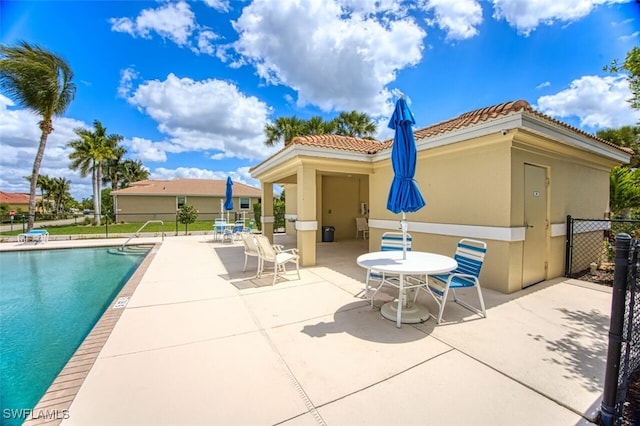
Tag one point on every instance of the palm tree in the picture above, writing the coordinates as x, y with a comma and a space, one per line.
625, 136
40, 81
318, 126
284, 129
355, 124
624, 190
60, 193
133, 171
89, 153
113, 167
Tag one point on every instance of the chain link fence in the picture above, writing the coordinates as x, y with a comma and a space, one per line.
623, 354
590, 247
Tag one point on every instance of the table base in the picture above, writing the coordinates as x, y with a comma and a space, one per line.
412, 313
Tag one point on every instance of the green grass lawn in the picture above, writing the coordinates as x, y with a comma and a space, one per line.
120, 228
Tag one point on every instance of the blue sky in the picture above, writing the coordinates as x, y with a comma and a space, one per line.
190, 85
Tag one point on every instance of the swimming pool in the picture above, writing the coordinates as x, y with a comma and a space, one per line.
49, 301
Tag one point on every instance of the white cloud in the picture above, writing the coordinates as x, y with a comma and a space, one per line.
333, 59
240, 175
598, 102
208, 115
171, 21
19, 143
220, 5
543, 85
127, 77
527, 15
459, 18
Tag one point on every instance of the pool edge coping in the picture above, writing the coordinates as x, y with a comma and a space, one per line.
53, 406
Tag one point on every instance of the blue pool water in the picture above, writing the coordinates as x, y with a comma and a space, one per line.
49, 301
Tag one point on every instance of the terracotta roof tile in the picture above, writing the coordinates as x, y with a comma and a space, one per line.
210, 187
14, 198
345, 143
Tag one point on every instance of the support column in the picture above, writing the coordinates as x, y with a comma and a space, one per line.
267, 218
307, 223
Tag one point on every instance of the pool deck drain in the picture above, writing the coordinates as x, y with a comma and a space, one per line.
54, 405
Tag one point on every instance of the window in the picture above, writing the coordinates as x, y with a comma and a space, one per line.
181, 202
244, 203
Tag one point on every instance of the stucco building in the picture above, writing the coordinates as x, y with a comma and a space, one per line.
161, 199
505, 174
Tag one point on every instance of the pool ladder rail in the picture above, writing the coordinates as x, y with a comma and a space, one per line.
137, 234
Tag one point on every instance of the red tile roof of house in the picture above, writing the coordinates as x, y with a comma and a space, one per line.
464, 120
14, 198
202, 187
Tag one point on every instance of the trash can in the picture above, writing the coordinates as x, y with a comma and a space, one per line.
327, 234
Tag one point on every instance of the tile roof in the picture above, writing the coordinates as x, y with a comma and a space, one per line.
14, 198
206, 187
464, 120
346, 143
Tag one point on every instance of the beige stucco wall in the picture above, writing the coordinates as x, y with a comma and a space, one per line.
480, 182
140, 208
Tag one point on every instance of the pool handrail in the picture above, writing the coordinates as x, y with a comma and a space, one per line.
140, 229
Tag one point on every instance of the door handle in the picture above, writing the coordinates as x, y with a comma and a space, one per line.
526, 225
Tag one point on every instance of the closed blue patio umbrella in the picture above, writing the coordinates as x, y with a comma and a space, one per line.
404, 195
228, 201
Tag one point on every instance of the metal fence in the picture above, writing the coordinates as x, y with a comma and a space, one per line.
623, 355
590, 247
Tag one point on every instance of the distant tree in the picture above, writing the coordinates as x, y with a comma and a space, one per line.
318, 126
284, 130
113, 167
90, 151
624, 189
631, 65
41, 82
355, 124
626, 136
133, 171
60, 193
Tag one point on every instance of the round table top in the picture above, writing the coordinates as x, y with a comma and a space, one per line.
416, 262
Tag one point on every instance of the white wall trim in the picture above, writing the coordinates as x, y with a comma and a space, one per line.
558, 229
497, 233
306, 225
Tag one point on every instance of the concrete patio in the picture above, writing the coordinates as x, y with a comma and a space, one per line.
201, 342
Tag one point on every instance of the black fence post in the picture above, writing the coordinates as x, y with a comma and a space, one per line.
568, 246
612, 371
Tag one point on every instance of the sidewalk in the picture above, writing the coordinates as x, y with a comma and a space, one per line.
201, 342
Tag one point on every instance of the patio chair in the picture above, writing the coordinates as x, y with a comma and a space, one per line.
250, 249
35, 235
249, 228
362, 226
238, 227
219, 228
279, 257
388, 241
470, 257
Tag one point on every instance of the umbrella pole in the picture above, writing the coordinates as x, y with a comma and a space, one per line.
221, 209
404, 226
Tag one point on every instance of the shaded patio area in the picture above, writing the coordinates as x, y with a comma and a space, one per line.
201, 342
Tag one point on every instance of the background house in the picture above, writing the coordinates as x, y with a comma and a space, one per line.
19, 202
505, 174
160, 199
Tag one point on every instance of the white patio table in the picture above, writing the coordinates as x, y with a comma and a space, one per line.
416, 263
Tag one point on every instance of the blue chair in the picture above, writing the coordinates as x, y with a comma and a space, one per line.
238, 227
470, 257
388, 241
219, 228
249, 228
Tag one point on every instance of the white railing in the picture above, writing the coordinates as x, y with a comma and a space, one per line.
141, 228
